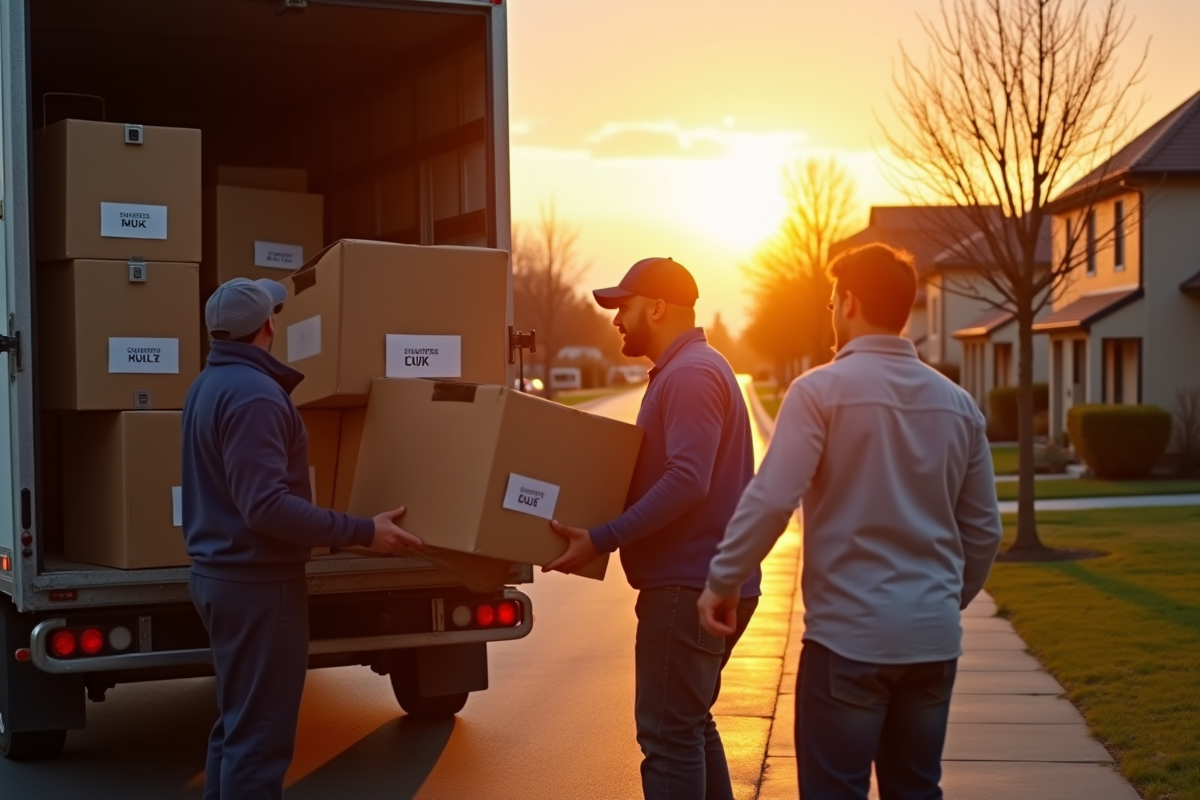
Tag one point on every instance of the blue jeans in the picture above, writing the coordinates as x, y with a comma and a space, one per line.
851, 713
259, 638
678, 673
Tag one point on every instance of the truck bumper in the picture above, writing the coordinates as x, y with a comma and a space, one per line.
44, 661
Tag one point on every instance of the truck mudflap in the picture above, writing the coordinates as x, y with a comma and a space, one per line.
40, 648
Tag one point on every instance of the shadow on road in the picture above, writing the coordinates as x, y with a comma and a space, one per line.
392, 762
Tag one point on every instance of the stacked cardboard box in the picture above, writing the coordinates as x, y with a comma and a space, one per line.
117, 240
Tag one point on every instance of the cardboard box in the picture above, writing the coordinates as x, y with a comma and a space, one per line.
362, 310
483, 469
353, 420
324, 428
122, 489
256, 233
99, 197
109, 344
278, 179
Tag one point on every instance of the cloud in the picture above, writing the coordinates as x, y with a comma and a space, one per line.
645, 140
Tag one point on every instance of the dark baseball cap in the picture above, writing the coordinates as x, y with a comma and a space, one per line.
656, 278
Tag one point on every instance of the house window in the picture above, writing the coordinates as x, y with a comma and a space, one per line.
1091, 243
1002, 360
1119, 236
935, 327
1069, 258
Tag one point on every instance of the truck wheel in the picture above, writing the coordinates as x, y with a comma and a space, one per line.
415, 705
32, 745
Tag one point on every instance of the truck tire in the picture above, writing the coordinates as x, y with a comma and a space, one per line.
415, 705
32, 745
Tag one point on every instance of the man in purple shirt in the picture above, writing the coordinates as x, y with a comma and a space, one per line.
695, 461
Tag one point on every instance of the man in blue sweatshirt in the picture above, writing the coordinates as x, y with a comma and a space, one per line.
696, 459
250, 527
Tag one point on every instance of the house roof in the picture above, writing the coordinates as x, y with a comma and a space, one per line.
921, 230
1191, 285
973, 250
1169, 146
1087, 310
985, 324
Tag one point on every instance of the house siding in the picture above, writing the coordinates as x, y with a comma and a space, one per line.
1107, 276
1172, 255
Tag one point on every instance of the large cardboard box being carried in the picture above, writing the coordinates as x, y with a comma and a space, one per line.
483, 469
257, 233
108, 343
362, 310
122, 479
107, 190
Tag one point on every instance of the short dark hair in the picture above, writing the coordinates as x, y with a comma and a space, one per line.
883, 279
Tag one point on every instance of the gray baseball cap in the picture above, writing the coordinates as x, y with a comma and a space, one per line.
241, 306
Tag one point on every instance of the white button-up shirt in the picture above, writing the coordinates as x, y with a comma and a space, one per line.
901, 522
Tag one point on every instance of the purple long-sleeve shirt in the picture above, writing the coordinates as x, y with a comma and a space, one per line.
695, 461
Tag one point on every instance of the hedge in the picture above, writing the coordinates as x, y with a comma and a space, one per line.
1119, 441
1002, 405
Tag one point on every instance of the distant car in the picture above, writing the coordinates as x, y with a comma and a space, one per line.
565, 378
626, 374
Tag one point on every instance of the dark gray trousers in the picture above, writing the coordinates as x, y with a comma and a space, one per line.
259, 638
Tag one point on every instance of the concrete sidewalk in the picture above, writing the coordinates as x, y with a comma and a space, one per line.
1012, 734
1090, 503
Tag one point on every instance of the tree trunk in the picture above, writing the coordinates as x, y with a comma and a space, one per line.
1027, 535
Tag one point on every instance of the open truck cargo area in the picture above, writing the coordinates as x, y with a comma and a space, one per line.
393, 115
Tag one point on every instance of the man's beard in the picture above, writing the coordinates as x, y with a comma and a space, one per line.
637, 338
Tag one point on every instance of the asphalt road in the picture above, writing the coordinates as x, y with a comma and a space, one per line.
555, 724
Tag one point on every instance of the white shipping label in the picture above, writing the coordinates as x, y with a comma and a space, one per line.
177, 506
143, 356
278, 256
530, 496
133, 221
304, 339
411, 356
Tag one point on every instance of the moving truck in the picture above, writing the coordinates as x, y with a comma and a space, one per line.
396, 111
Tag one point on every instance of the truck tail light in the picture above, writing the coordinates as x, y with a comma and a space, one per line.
63, 644
485, 616
23, 654
507, 613
91, 641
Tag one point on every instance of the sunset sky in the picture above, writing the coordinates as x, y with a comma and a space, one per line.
660, 127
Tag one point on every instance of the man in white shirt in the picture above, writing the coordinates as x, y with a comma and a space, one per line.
901, 525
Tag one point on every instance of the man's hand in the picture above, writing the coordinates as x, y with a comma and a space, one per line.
580, 550
718, 614
390, 537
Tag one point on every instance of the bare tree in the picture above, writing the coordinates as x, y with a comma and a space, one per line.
1018, 99
546, 273
789, 320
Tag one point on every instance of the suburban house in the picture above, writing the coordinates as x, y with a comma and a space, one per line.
982, 339
921, 230
1126, 327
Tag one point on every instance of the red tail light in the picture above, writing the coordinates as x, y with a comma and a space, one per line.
63, 644
507, 613
485, 616
91, 641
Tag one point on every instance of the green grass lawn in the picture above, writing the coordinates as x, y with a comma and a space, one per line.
1090, 487
574, 397
1005, 460
1122, 635
770, 403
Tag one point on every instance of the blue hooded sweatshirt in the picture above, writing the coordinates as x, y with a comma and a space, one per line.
247, 502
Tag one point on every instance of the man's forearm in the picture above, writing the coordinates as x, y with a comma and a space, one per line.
752, 532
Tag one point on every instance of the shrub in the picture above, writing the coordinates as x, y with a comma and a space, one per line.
1051, 459
1119, 441
1002, 407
